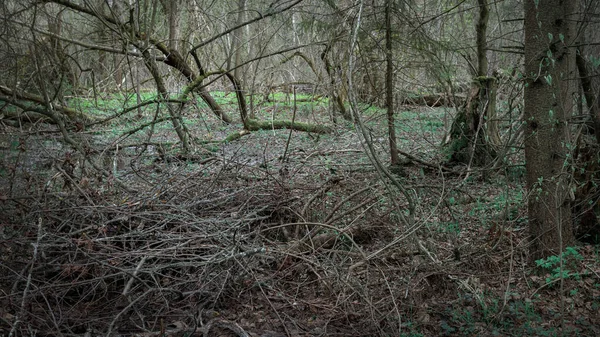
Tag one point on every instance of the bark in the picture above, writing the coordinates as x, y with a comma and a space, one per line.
436, 100
587, 157
239, 93
16, 97
474, 132
164, 94
175, 60
338, 91
238, 37
172, 57
389, 84
251, 124
482, 23
588, 91
308, 61
61, 73
255, 125
550, 29
261, 16
172, 10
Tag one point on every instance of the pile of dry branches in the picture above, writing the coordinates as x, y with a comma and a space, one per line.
187, 249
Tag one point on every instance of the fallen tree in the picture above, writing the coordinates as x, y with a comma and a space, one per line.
36, 104
434, 100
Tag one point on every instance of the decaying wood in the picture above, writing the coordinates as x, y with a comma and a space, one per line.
435, 100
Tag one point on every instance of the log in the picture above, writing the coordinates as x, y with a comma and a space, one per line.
435, 100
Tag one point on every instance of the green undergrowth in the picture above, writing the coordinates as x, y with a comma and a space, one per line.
535, 310
279, 106
521, 317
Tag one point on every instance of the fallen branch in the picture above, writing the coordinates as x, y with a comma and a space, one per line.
255, 125
424, 163
13, 96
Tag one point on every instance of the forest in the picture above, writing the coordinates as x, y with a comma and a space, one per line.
287, 168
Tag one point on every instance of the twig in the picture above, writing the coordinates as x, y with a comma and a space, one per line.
424, 163
222, 323
132, 303
130, 282
18, 317
287, 144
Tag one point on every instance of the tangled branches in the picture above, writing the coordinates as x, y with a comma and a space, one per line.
191, 243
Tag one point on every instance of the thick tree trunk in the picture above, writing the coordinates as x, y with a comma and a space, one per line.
239, 94
171, 7
238, 37
550, 29
16, 97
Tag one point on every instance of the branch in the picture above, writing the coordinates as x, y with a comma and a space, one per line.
133, 108
84, 44
258, 18
83, 9
25, 96
260, 57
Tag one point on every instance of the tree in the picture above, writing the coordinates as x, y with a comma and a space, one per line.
474, 131
550, 30
389, 84
586, 155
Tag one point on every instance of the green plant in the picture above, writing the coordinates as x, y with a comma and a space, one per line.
452, 227
553, 264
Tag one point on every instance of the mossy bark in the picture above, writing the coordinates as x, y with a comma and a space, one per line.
474, 132
254, 125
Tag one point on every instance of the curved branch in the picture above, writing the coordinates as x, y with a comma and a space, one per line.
13, 95
239, 93
172, 57
87, 45
258, 18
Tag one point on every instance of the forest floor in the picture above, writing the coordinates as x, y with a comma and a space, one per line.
276, 234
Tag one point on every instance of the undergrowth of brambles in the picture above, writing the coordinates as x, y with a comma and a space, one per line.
239, 239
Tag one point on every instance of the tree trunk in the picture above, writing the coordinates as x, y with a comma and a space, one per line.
175, 60
389, 84
239, 93
164, 94
588, 91
238, 37
338, 91
474, 132
173, 24
550, 29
